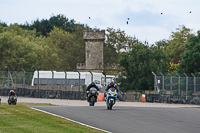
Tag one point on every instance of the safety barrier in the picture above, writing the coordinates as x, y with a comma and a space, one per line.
100, 97
143, 98
35, 93
180, 99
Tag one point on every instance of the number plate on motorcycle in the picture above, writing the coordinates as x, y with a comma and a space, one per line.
93, 91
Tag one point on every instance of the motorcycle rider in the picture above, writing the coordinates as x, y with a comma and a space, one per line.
88, 88
112, 84
12, 98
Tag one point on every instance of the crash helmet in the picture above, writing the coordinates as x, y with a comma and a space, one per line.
112, 83
12, 92
92, 83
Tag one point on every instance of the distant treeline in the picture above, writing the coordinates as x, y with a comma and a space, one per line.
57, 44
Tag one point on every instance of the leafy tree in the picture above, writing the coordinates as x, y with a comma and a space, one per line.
172, 68
17, 48
60, 21
190, 58
162, 43
137, 67
45, 26
119, 40
2, 25
116, 41
110, 54
177, 42
59, 50
62, 50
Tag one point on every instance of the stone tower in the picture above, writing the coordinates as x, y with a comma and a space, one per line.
94, 40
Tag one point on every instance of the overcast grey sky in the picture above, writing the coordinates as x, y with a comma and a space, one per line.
145, 19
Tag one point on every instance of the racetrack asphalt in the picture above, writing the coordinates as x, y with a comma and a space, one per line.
126, 119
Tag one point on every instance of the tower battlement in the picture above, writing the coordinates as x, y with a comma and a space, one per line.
94, 35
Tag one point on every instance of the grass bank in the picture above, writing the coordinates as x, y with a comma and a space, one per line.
21, 119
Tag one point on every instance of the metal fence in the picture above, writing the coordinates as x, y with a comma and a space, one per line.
23, 79
73, 95
25, 84
179, 85
182, 88
16, 79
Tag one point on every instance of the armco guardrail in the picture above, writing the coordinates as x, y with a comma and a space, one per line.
35, 93
180, 99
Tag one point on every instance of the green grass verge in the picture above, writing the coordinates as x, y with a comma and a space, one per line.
192, 107
21, 119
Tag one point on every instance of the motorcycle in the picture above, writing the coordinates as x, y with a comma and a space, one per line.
92, 96
111, 98
12, 100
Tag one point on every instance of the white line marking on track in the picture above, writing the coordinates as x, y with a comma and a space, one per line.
70, 120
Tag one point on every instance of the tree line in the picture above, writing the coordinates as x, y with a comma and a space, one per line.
57, 44
180, 54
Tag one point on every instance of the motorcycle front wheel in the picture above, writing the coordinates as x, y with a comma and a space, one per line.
92, 101
109, 107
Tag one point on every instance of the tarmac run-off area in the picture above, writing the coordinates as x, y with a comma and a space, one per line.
66, 102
